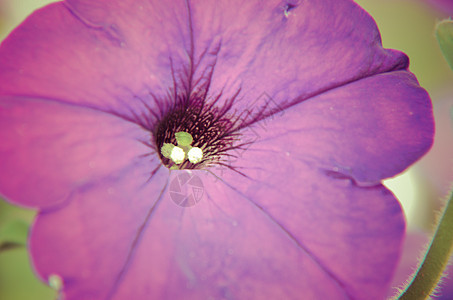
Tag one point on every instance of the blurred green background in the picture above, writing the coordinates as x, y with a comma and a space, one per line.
406, 25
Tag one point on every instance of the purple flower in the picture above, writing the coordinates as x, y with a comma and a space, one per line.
299, 111
445, 6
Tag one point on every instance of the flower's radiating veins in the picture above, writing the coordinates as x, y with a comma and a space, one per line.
194, 124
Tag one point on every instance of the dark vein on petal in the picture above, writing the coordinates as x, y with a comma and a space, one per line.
134, 245
292, 238
282, 107
191, 50
110, 31
114, 35
76, 105
81, 188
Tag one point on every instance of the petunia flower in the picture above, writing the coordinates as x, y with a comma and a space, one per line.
298, 111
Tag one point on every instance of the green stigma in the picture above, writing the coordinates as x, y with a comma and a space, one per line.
184, 150
183, 138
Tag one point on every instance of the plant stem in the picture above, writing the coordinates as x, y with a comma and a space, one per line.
436, 259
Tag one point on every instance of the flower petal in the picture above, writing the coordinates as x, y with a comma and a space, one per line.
282, 239
290, 50
118, 53
354, 234
50, 149
88, 241
368, 130
111, 65
444, 5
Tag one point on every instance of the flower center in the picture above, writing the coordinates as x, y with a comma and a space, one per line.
193, 135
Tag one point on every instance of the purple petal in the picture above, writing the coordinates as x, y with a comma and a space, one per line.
49, 149
118, 52
88, 240
436, 166
232, 244
368, 130
291, 50
443, 5
343, 235
106, 66
352, 233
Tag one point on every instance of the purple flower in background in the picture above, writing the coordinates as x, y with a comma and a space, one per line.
297, 108
444, 5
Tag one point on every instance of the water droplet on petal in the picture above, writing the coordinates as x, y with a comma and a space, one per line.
55, 282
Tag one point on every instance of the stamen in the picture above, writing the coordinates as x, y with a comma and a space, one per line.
177, 155
195, 155
166, 150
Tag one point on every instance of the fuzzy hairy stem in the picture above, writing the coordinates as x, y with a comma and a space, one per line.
430, 272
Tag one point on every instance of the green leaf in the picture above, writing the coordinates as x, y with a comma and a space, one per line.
444, 35
17, 279
13, 234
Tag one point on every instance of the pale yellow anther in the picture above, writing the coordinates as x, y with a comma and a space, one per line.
184, 150
177, 155
166, 150
195, 155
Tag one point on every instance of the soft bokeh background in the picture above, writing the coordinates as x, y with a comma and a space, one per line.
406, 25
